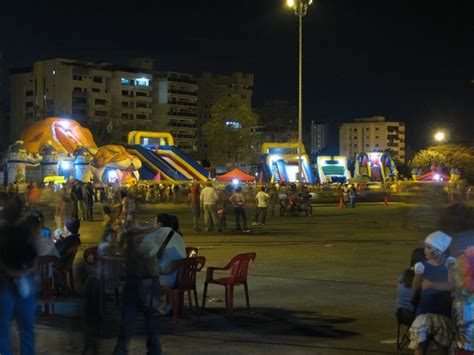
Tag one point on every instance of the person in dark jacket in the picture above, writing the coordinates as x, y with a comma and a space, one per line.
71, 239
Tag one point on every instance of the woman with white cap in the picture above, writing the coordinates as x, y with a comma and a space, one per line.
433, 284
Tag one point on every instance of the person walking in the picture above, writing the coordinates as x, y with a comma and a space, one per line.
261, 200
208, 199
237, 199
81, 200
196, 205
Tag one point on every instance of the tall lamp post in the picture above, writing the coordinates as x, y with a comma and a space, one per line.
300, 7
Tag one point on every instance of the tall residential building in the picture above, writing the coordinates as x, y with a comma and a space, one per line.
212, 88
90, 92
175, 108
319, 137
372, 134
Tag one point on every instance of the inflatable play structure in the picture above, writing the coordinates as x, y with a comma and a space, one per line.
436, 174
376, 166
161, 160
333, 169
280, 162
63, 148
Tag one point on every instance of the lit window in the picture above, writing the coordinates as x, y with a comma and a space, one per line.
233, 124
125, 81
142, 82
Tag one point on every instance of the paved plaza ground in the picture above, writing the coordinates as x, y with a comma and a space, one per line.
323, 284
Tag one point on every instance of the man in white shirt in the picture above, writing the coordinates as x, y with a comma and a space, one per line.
261, 199
209, 200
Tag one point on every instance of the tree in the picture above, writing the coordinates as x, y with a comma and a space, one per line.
449, 156
228, 132
279, 120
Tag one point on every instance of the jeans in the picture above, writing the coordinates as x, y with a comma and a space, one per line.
263, 211
90, 210
352, 201
23, 309
210, 215
240, 214
132, 301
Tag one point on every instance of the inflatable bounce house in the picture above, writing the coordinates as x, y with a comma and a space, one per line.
436, 174
333, 169
57, 147
375, 166
280, 163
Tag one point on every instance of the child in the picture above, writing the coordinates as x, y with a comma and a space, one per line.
222, 219
405, 310
432, 281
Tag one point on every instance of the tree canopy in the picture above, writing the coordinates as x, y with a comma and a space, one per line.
228, 132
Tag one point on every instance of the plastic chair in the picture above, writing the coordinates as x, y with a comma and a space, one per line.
238, 266
90, 256
191, 252
186, 282
47, 265
405, 318
67, 264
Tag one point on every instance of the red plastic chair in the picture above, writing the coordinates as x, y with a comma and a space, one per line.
90, 256
186, 282
238, 266
47, 265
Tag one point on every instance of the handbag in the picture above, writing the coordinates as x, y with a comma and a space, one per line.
149, 267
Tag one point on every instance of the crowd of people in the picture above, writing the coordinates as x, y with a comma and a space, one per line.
435, 298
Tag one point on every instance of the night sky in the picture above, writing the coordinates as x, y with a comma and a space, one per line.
407, 60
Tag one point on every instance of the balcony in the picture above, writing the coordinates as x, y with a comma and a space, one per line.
182, 80
180, 103
182, 92
392, 144
183, 125
182, 135
182, 114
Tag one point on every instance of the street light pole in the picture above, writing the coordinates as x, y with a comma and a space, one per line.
300, 7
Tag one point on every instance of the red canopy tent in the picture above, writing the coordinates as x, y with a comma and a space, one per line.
236, 174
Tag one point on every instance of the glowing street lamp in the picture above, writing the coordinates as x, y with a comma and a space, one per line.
300, 8
440, 136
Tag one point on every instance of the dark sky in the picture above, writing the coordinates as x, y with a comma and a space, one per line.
407, 60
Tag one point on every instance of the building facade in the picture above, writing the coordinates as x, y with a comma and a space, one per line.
96, 94
372, 134
319, 137
214, 87
175, 108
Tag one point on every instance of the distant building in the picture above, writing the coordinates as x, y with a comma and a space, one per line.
90, 92
319, 137
212, 88
175, 108
372, 134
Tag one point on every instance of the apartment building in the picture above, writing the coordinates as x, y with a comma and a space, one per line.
319, 137
175, 108
93, 93
372, 134
212, 88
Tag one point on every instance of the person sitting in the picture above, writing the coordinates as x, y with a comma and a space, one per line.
434, 284
71, 238
405, 308
44, 246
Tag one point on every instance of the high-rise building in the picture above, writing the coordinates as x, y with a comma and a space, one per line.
372, 134
175, 107
90, 92
319, 137
212, 88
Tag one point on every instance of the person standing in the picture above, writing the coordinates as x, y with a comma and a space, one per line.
261, 199
74, 202
208, 199
237, 199
18, 259
352, 196
89, 191
196, 205
80, 200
